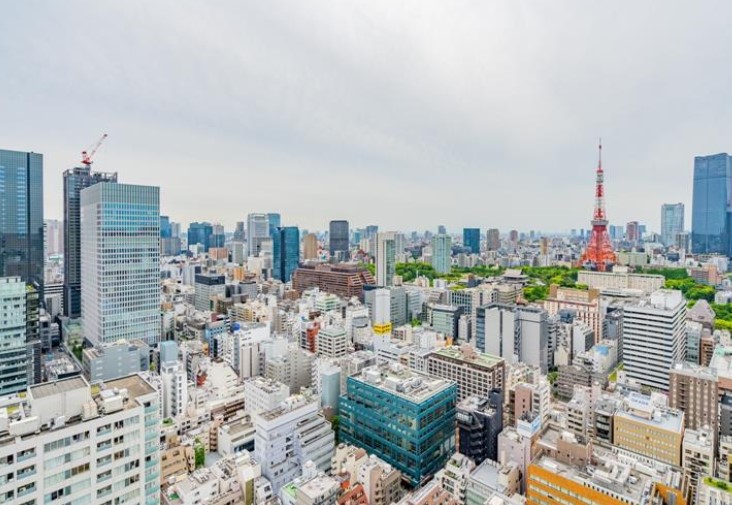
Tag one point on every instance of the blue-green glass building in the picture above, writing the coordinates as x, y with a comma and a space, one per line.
711, 226
404, 417
471, 239
285, 252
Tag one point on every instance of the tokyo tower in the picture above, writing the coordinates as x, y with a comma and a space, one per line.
599, 254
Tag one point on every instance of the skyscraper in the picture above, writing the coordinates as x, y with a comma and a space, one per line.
441, 253
672, 222
285, 252
471, 239
274, 221
338, 237
310, 246
21, 217
493, 239
200, 233
385, 258
257, 231
710, 214
120, 268
75, 180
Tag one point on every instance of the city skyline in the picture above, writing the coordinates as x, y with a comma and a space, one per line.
415, 105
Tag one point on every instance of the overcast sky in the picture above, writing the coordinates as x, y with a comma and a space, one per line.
404, 114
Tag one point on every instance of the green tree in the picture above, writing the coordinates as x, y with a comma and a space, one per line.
199, 453
335, 423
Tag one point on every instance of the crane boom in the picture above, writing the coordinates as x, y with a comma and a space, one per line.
88, 155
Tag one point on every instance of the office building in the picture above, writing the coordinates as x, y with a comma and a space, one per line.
710, 216
444, 319
713, 491
698, 457
200, 234
508, 331
113, 360
632, 231
442, 253
471, 239
120, 267
174, 380
613, 281
262, 394
309, 247
66, 442
338, 238
694, 390
584, 303
654, 337
332, 342
14, 364
476, 373
493, 239
257, 232
285, 252
479, 422
385, 258
21, 217
672, 222
653, 431
208, 286
290, 435
274, 221
345, 280
386, 392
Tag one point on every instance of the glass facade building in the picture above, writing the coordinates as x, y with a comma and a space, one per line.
120, 274
710, 214
338, 237
285, 252
442, 253
471, 239
21, 216
200, 233
75, 180
404, 417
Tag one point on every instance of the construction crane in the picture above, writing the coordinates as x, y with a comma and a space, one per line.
88, 155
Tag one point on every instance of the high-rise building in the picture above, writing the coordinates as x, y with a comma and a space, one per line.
200, 233
21, 217
632, 232
309, 247
479, 422
710, 214
274, 221
694, 390
442, 253
338, 238
493, 239
174, 379
257, 232
285, 252
385, 393
13, 355
385, 258
471, 239
66, 442
120, 268
654, 337
75, 180
475, 373
207, 286
441, 230
239, 232
672, 222
54, 237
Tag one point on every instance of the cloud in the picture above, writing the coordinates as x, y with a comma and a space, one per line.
407, 114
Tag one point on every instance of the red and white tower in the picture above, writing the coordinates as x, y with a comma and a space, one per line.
599, 254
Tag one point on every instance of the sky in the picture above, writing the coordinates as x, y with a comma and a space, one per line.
403, 114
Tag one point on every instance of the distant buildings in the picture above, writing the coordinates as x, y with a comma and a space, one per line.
385, 258
257, 232
672, 222
120, 244
442, 253
493, 239
345, 280
710, 217
309, 247
285, 252
471, 239
338, 239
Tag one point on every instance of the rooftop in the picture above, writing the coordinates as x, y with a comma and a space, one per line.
468, 354
404, 382
640, 408
53, 388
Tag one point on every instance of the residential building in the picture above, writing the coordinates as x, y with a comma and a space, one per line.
698, 457
75, 180
710, 215
290, 435
471, 239
385, 258
442, 253
713, 492
120, 267
454, 477
70, 442
174, 380
262, 394
479, 422
694, 390
654, 331
672, 222
475, 373
332, 342
391, 391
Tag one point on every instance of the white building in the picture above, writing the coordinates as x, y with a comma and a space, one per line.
174, 380
120, 262
332, 342
654, 337
262, 394
67, 442
385, 258
13, 357
290, 435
